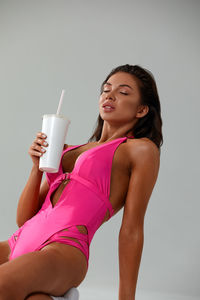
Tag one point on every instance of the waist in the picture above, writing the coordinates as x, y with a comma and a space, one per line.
87, 183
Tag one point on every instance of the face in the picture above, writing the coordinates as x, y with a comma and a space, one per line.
122, 92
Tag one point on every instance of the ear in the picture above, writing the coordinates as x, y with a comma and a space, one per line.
142, 111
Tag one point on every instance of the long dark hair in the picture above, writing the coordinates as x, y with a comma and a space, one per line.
150, 125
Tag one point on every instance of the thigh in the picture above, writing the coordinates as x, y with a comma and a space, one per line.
52, 270
4, 252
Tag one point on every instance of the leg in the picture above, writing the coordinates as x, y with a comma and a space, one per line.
4, 252
53, 270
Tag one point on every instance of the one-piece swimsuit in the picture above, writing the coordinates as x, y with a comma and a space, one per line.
84, 201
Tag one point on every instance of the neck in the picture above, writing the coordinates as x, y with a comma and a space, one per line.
109, 136
101, 141
112, 131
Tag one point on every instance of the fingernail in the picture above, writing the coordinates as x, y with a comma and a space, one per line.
43, 135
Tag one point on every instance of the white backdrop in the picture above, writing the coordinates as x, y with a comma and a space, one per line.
50, 45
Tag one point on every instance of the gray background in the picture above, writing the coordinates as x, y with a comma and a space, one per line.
46, 46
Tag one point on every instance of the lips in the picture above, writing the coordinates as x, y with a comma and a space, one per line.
108, 104
108, 109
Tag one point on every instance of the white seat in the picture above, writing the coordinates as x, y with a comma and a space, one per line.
71, 294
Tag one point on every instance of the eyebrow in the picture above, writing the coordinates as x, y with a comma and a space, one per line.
119, 85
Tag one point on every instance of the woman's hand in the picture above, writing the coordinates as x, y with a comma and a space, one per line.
36, 150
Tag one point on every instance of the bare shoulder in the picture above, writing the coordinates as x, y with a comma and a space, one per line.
144, 158
143, 150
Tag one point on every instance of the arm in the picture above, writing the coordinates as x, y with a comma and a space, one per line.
32, 197
144, 171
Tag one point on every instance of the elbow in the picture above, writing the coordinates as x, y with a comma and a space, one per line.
131, 234
131, 242
18, 218
19, 222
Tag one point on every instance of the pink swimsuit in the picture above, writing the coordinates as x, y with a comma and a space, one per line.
84, 201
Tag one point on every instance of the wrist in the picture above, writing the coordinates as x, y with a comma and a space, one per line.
36, 170
125, 294
126, 298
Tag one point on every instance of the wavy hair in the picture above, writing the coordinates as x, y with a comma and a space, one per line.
150, 125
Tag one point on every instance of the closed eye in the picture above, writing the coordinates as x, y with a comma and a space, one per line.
120, 92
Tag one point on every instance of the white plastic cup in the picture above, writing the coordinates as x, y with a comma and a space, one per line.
55, 127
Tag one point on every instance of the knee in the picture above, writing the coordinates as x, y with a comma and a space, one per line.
6, 293
5, 252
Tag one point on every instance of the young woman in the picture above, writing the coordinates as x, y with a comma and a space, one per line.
49, 253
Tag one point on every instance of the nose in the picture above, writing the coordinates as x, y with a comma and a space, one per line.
109, 95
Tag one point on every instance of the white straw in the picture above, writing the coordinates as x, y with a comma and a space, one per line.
60, 102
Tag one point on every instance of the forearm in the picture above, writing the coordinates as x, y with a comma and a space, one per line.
130, 252
29, 199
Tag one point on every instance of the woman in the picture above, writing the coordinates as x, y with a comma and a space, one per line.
49, 253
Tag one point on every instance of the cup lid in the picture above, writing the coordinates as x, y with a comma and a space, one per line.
56, 116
